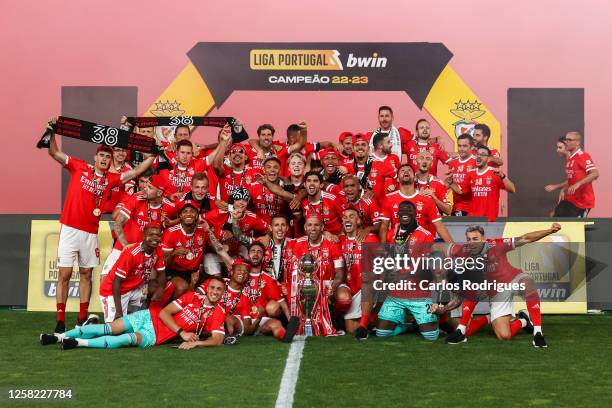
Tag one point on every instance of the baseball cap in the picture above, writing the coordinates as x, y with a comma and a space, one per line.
344, 135
188, 203
104, 148
157, 181
327, 151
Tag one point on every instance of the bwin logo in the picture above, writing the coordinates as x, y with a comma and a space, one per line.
366, 62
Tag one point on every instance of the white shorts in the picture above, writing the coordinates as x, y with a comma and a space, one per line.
502, 304
110, 261
130, 302
76, 244
354, 311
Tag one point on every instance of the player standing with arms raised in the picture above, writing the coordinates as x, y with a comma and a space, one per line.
85, 198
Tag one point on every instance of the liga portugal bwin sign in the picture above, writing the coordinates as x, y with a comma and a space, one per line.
421, 70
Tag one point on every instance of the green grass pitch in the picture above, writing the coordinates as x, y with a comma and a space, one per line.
575, 371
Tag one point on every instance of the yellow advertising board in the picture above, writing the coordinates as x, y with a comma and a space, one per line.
42, 281
557, 264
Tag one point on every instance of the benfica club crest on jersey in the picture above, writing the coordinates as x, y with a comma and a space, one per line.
488, 180
467, 112
419, 206
200, 241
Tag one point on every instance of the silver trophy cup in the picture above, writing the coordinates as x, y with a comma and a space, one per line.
308, 290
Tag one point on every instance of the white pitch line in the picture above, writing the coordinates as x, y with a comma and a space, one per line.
291, 373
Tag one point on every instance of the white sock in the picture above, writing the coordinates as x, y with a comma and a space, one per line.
461, 328
523, 322
60, 337
82, 342
537, 329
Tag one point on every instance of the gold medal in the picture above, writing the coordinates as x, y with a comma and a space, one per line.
97, 212
189, 256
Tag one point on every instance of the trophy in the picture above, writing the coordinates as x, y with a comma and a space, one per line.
308, 289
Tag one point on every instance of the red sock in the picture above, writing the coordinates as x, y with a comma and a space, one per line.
280, 333
476, 324
61, 312
443, 318
363, 322
466, 311
533, 307
83, 311
342, 306
515, 326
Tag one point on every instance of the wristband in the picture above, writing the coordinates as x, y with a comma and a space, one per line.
179, 331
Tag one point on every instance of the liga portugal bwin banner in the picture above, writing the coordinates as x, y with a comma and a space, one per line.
421, 70
43, 272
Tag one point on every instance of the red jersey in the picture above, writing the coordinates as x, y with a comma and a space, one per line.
485, 189
209, 212
460, 169
178, 180
577, 166
380, 175
436, 185
346, 161
262, 288
497, 265
391, 160
251, 225
175, 237
134, 266
235, 302
118, 193
439, 155
232, 179
351, 252
327, 208
327, 256
80, 198
211, 318
369, 210
419, 245
427, 212
266, 203
139, 213
279, 150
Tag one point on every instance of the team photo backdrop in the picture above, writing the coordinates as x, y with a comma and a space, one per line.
134, 50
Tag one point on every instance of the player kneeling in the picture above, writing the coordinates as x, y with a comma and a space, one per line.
415, 241
190, 317
243, 316
133, 279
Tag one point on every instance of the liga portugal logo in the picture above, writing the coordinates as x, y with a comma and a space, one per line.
467, 112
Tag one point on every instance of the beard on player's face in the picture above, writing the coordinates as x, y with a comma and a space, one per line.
255, 258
